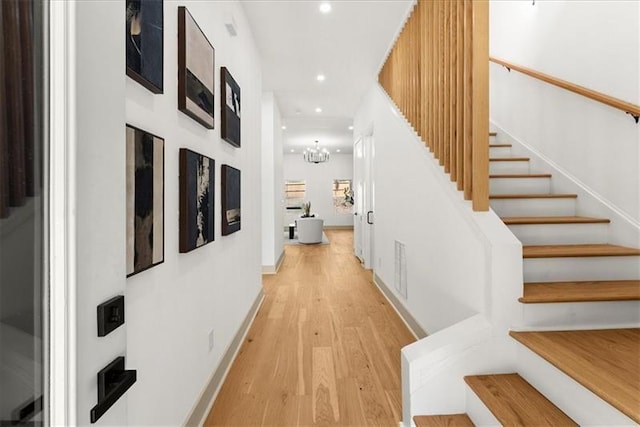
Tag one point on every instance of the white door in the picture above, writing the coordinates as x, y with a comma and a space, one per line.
364, 200
358, 190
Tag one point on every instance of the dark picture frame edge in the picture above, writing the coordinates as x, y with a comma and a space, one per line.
137, 77
225, 131
228, 229
182, 67
163, 198
184, 202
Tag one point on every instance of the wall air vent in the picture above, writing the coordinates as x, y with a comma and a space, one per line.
401, 269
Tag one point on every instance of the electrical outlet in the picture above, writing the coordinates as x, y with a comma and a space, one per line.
379, 262
210, 340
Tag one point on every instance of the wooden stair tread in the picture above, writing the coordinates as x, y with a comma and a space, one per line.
521, 175
562, 251
533, 196
604, 361
454, 420
513, 401
603, 290
493, 133
525, 220
509, 159
500, 145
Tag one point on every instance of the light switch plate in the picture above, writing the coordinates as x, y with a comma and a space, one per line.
110, 315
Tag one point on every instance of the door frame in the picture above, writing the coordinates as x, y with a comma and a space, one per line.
368, 198
60, 173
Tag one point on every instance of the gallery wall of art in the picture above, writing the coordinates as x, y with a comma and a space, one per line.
154, 220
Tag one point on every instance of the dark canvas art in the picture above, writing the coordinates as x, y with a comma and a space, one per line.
196, 61
196, 200
230, 178
144, 37
145, 200
230, 129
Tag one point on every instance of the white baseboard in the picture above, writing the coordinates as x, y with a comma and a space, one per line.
416, 329
203, 405
273, 269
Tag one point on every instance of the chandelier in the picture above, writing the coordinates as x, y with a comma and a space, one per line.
316, 155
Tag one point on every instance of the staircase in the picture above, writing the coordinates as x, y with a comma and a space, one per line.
579, 359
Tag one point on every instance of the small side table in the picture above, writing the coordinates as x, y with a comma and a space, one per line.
292, 227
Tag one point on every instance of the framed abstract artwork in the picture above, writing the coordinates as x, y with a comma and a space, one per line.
230, 178
230, 117
196, 200
144, 35
145, 200
196, 62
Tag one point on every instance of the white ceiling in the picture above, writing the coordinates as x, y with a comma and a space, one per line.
297, 42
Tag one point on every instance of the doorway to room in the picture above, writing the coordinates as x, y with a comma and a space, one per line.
363, 184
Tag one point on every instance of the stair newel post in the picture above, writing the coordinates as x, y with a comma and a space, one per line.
480, 105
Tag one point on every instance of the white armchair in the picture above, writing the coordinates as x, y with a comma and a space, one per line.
309, 230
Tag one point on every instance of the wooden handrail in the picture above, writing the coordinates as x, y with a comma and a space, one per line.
627, 107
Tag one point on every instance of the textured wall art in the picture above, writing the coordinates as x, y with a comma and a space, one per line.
230, 118
144, 38
145, 200
196, 200
196, 60
230, 178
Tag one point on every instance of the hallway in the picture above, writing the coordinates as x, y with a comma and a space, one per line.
324, 348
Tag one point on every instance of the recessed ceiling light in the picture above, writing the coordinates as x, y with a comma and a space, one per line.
338, 150
325, 7
284, 127
318, 110
292, 150
350, 127
320, 77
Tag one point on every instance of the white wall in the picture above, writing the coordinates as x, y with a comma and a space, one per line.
272, 182
451, 251
319, 183
170, 308
591, 43
100, 192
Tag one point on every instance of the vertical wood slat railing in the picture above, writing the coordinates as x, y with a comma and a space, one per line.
437, 74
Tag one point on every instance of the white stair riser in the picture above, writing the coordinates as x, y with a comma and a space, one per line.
561, 234
508, 167
476, 410
495, 152
576, 315
519, 185
580, 269
579, 403
534, 207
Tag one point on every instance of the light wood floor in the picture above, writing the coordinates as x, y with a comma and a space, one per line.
324, 348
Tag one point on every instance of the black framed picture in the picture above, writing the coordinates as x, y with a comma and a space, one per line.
145, 200
230, 117
196, 65
230, 178
197, 175
144, 38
